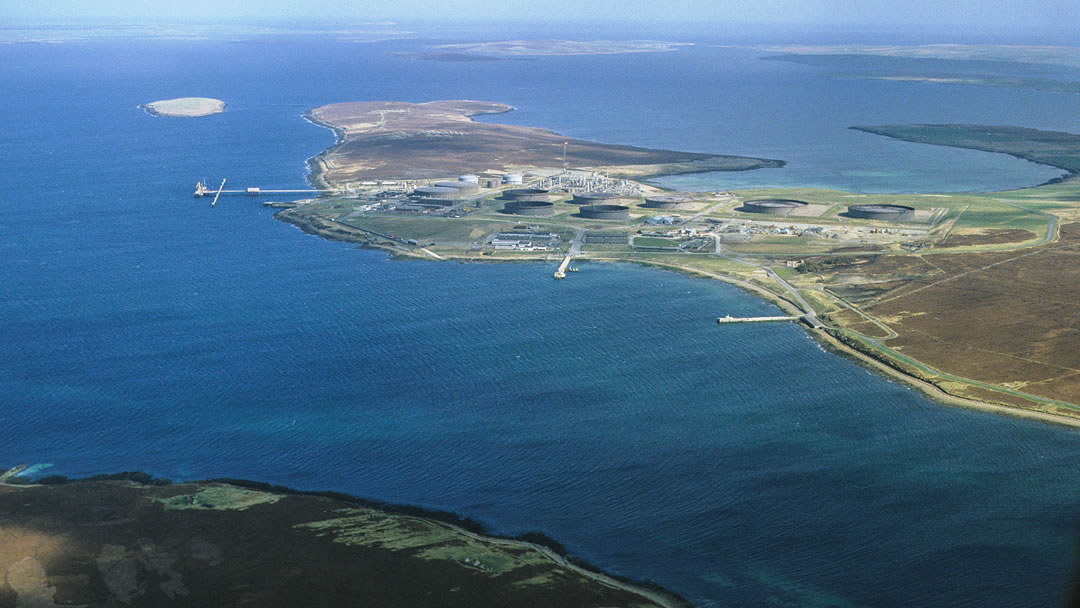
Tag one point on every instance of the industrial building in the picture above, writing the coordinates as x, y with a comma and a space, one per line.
662, 220
437, 195
593, 237
772, 206
526, 241
888, 213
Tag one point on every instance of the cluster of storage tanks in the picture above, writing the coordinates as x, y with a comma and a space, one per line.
784, 206
528, 201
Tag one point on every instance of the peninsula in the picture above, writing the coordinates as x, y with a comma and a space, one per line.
968, 297
398, 140
185, 107
134, 541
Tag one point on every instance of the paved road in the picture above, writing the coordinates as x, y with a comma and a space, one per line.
575, 246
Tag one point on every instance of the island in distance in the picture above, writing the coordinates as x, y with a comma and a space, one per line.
185, 107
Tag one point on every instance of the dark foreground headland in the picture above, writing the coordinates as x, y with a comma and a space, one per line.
399, 140
117, 542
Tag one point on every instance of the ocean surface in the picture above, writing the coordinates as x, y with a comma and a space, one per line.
739, 466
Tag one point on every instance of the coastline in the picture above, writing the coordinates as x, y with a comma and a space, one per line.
1070, 170
932, 382
824, 338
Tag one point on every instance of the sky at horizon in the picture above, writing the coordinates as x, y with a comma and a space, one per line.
1049, 15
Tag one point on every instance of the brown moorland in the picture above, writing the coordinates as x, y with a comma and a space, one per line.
1007, 318
399, 140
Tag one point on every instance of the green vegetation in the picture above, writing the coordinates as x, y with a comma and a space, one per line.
652, 241
219, 497
1052, 148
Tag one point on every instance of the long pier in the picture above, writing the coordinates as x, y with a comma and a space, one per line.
809, 319
731, 319
575, 249
201, 190
561, 272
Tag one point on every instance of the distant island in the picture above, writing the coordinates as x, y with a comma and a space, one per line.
399, 140
1040, 68
131, 540
185, 107
542, 48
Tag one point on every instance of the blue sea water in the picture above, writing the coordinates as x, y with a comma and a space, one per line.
739, 466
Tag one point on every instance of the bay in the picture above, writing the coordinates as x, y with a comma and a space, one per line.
736, 465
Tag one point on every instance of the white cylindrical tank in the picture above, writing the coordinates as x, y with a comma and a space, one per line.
513, 178
472, 179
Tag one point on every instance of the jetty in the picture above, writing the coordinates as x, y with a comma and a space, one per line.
201, 190
575, 249
560, 273
731, 319
810, 319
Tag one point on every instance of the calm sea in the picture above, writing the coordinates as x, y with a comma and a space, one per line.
740, 466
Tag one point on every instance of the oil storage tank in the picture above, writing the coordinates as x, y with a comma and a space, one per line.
667, 201
437, 195
513, 178
463, 186
605, 212
529, 207
599, 198
888, 213
533, 194
772, 206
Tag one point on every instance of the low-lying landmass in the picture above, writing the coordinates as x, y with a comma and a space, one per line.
185, 107
1054, 148
133, 541
398, 140
543, 48
1042, 68
969, 297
